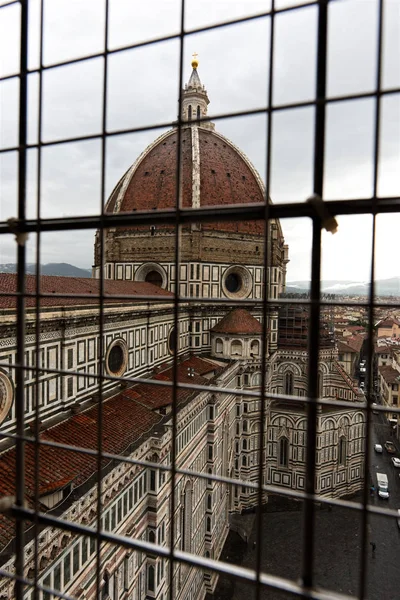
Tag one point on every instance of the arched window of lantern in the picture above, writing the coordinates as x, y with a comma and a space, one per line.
288, 383
189, 112
198, 111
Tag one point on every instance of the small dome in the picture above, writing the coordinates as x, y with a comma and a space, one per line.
238, 322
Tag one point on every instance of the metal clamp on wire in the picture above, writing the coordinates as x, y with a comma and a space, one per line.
20, 236
6, 505
327, 220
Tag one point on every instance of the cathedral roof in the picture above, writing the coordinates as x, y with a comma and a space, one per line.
73, 285
238, 322
128, 417
213, 173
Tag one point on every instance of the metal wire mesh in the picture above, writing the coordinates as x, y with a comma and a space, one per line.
178, 217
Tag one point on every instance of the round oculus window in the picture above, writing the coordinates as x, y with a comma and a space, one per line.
233, 283
6, 396
154, 277
237, 282
152, 273
171, 341
117, 356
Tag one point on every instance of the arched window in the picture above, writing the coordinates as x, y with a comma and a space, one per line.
105, 592
209, 501
244, 461
209, 481
245, 425
256, 379
255, 348
342, 451
208, 524
236, 348
283, 452
219, 346
198, 112
320, 384
152, 537
244, 444
186, 523
288, 384
151, 578
190, 112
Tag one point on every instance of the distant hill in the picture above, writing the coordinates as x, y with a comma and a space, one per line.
383, 287
59, 269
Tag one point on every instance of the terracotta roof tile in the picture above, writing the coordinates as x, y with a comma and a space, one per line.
238, 322
225, 178
73, 285
389, 374
127, 416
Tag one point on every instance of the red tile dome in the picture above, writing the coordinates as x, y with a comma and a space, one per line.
214, 173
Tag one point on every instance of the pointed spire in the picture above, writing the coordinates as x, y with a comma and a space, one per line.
195, 98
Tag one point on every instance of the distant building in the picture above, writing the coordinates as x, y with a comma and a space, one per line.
388, 328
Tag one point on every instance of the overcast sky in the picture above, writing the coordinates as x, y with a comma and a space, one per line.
143, 90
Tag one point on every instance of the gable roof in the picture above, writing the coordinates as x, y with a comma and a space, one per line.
238, 322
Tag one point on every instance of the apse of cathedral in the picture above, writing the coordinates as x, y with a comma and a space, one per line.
221, 280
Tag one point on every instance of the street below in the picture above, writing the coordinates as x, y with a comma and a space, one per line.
338, 541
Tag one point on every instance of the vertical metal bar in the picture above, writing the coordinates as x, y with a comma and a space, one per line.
21, 259
314, 320
176, 336
371, 299
264, 345
36, 386
101, 355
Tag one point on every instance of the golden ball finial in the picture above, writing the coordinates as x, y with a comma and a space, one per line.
195, 62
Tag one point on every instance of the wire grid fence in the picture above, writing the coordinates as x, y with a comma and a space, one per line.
178, 217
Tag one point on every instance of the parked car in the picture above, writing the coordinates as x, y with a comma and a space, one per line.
378, 448
390, 447
396, 462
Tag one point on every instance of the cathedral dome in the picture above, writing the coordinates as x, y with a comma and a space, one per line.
214, 173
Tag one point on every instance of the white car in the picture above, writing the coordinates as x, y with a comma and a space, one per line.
396, 462
378, 448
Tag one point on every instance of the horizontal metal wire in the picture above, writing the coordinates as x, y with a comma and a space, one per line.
248, 393
247, 212
373, 205
214, 118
